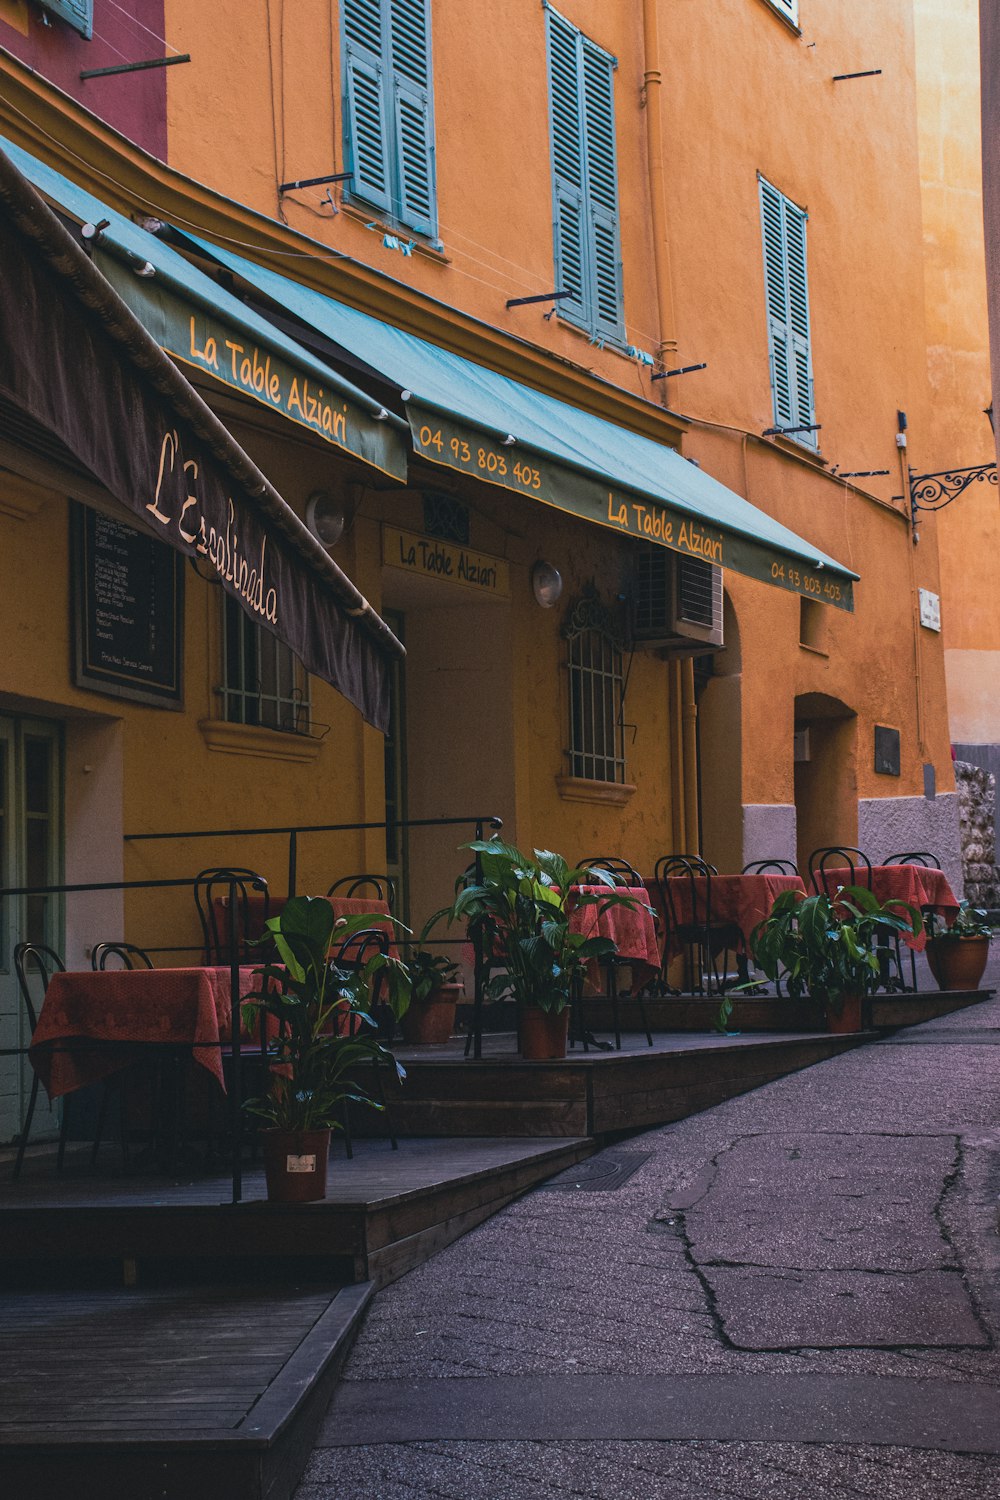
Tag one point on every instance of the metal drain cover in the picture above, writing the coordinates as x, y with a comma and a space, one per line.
603, 1173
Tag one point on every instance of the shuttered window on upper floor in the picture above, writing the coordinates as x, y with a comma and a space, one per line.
388, 109
76, 13
783, 230
584, 181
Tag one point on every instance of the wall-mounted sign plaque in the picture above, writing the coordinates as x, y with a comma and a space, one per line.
128, 597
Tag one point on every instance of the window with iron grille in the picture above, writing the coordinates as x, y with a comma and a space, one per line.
446, 518
596, 692
265, 684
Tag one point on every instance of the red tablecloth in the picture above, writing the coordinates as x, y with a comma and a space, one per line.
927, 889
632, 928
177, 1007
343, 906
739, 901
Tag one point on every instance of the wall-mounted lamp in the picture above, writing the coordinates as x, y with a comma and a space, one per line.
325, 517
546, 584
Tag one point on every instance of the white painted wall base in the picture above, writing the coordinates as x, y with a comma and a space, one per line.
895, 825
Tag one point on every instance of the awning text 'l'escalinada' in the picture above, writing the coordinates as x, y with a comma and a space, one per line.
77, 362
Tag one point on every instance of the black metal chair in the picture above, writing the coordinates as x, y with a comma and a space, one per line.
822, 862
212, 891
381, 887
699, 936
771, 867
47, 962
926, 861
625, 875
127, 954
351, 957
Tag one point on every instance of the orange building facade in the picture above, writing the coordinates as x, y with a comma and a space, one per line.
527, 217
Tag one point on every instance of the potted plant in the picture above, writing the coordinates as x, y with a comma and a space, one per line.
434, 996
313, 1057
519, 912
825, 947
958, 954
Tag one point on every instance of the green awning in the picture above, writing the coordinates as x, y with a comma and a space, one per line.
202, 325
472, 419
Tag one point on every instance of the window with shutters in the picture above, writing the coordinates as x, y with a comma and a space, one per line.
76, 13
584, 181
388, 114
783, 229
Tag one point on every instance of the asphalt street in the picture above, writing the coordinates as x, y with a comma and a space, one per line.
794, 1294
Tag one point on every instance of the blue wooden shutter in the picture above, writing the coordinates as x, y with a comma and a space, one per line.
367, 140
410, 60
76, 13
571, 262
585, 180
602, 191
783, 227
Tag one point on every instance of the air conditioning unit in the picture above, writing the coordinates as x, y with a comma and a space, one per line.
676, 603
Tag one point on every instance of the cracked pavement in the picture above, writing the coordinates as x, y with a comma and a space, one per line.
795, 1295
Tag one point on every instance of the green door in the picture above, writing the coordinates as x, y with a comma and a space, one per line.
30, 854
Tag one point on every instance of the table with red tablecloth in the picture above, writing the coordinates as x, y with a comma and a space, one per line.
343, 907
739, 902
632, 928
926, 889
94, 1024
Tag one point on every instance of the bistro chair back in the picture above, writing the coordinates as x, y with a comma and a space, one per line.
771, 867
619, 869
926, 861
119, 956
684, 882
825, 865
376, 887
626, 875
213, 890
46, 961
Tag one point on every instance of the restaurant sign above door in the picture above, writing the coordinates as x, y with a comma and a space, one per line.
429, 557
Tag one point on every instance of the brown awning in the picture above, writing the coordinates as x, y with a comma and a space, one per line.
76, 360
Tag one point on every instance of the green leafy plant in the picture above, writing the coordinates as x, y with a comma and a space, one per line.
826, 946
428, 972
321, 1015
970, 922
520, 911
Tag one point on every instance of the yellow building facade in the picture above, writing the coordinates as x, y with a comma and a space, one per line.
501, 227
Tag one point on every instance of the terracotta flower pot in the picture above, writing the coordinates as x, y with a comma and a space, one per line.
958, 963
432, 1020
844, 1016
543, 1033
295, 1164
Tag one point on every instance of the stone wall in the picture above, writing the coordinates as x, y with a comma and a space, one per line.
977, 810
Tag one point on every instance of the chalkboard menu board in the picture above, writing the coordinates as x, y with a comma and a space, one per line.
128, 610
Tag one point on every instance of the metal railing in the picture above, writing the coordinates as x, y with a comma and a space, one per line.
234, 937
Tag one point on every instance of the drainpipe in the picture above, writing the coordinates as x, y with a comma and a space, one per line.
689, 720
652, 83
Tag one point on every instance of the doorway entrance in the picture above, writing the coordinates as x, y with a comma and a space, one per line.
31, 853
826, 781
